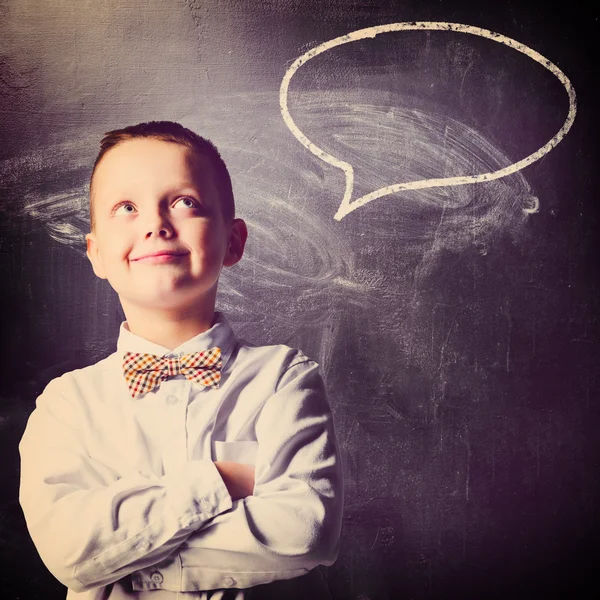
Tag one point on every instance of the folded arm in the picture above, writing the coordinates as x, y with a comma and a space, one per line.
90, 533
291, 523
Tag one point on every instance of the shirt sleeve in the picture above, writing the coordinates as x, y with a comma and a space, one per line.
90, 528
292, 521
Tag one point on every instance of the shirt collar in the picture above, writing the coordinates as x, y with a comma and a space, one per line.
220, 335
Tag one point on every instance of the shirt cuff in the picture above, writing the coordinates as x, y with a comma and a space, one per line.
197, 493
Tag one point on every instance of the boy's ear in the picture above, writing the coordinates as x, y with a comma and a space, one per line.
94, 256
237, 241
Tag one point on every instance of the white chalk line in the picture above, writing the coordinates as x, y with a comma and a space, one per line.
347, 205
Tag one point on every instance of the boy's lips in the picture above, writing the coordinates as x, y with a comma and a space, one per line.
160, 256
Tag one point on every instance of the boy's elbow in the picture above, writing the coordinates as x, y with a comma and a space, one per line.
57, 565
308, 536
62, 560
323, 547
74, 584
67, 575
306, 552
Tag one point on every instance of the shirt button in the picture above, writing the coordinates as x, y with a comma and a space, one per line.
172, 400
187, 521
206, 506
229, 581
143, 545
157, 577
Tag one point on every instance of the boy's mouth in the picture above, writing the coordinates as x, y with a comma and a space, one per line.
160, 256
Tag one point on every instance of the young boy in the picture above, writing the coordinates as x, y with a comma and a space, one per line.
188, 464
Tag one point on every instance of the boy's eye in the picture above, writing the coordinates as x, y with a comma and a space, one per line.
125, 208
185, 202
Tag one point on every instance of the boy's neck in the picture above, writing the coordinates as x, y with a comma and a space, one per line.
166, 328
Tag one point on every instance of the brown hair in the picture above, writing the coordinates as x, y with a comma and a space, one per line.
169, 131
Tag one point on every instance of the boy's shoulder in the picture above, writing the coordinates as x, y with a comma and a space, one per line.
285, 356
77, 382
97, 370
273, 365
280, 356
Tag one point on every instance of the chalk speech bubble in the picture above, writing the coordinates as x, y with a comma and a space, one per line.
348, 205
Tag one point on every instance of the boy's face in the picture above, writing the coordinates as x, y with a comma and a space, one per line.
160, 237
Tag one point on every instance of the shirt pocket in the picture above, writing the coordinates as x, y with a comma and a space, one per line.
243, 452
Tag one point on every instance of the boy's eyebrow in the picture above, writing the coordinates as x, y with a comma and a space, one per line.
185, 187
191, 189
188, 186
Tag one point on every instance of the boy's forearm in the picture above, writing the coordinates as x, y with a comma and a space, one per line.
94, 537
263, 540
280, 535
91, 527
291, 523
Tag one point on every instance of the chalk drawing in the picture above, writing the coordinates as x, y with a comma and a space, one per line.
348, 205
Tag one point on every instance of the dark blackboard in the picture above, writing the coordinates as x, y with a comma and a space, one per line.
456, 327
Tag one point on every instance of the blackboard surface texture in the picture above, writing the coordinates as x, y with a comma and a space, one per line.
419, 179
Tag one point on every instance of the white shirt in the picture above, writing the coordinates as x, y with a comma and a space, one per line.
121, 495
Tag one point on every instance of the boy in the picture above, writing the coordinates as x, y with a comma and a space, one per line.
188, 464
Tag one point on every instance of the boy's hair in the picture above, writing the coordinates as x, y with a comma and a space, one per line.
169, 131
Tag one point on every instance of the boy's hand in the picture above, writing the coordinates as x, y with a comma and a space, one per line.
238, 478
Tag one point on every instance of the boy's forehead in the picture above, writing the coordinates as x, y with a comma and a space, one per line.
133, 162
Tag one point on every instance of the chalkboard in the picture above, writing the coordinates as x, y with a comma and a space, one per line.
456, 326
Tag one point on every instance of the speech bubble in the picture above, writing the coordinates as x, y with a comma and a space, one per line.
348, 205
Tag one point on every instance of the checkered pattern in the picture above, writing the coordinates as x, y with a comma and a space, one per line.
143, 372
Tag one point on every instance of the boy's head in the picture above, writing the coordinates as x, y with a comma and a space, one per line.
162, 219
169, 131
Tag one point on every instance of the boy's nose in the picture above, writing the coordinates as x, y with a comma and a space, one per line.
159, 226
162, 231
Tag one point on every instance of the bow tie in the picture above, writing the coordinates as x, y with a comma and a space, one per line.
143, 372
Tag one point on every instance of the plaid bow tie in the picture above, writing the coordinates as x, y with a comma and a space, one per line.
143, 372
